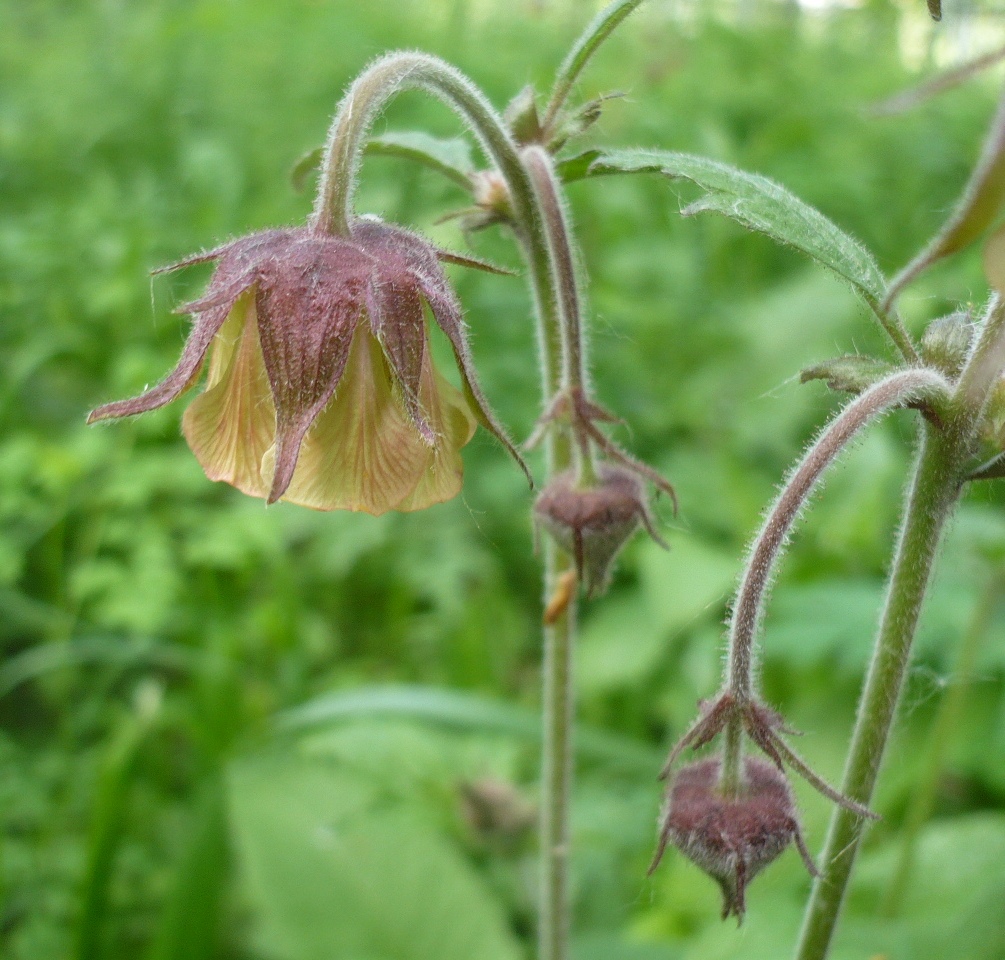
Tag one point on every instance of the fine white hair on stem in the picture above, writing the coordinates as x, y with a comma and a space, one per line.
564, 255
745, 620
383, 79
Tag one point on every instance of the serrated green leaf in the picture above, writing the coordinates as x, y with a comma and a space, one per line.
333, 868
758, 204
851, 373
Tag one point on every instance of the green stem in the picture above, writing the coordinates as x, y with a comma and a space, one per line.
731, 772
935, 490
370, 93
556, 767
596, 32
557, 232
556, 303
566, 288
943, 729
745, 620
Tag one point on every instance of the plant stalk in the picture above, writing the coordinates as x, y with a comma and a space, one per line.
943, 729
556, 298
935, 489
556, 767
745, 621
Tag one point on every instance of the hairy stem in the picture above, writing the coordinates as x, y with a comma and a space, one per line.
945, 726
985, 364
557, 768
556, 299
596, 32
369, 94
934, 491
546, 188
566, 287
758, 574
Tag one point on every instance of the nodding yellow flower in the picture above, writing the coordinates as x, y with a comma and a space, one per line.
321, 387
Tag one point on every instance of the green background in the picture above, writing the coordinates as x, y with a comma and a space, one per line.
228, 731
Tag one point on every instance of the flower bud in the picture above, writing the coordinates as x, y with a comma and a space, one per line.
731, 838
593, 523
947, 341
522, 117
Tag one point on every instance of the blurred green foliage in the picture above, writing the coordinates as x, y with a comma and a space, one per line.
232, 732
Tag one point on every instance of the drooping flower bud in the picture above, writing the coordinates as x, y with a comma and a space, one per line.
594, 522
321, 387
731, 838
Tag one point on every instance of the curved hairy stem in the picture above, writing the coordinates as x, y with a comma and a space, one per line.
896, 390
369, 94
744, 626
546, 188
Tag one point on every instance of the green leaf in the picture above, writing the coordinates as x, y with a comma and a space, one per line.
461, 711
450, 157
576, 167
333, 868
756, 203
36, 662
851, 373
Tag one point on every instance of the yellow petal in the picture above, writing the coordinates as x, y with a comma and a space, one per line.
232, 424
450, 416
364, 453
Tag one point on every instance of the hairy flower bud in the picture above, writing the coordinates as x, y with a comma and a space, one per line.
593, 523
947, 341
731, 838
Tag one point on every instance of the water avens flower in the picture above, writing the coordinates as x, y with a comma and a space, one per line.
321, 387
